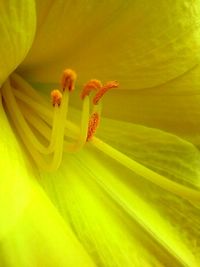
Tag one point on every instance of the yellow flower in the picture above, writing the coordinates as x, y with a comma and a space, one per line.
130, 195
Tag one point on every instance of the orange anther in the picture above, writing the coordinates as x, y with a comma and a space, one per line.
56, 97
93, 124
68, 79
89, 86
103, 90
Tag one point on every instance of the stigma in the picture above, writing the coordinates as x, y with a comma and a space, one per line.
45, 129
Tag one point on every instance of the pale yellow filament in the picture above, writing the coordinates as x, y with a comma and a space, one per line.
142, 171
18, 82
83, 130
42, 110
13, 108
42, 127
37, 122
31, 141
59, 132
34, 153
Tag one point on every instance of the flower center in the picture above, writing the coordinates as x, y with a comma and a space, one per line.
44, 128
46, 131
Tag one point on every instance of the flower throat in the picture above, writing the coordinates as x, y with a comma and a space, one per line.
31, 115
37, 122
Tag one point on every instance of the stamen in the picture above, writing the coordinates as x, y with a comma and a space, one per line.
42, 111
54, 131
160, 180
56, 97
103, 90
68, 79
93, 124
38, 150
89, 86
59, 131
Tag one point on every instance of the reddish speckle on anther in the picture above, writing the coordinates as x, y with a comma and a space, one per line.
68, 79
90, 86
103, 90
93, 124
56, 97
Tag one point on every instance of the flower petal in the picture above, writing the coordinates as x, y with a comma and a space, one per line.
107, 234
140, 44
14, 178
17, 29
32, 233
168, 155
42, 238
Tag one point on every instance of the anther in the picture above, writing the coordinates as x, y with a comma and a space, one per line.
56, 97
90, 86
93, 124
68, 79
103, 90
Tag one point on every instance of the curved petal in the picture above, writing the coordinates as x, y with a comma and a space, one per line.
95, 193
107, 234
136, 42
173, 107
41, 238
32, 233
14, 178
17, 29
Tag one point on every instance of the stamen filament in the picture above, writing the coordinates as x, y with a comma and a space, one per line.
60, 127
19, 83
158, 179
28, 136
38, 123
19, 118
38, 107
30, 98
42, 111
45, 131
83, 129
34, 153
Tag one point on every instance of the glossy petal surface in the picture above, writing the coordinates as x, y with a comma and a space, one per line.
17, 29
136, 42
